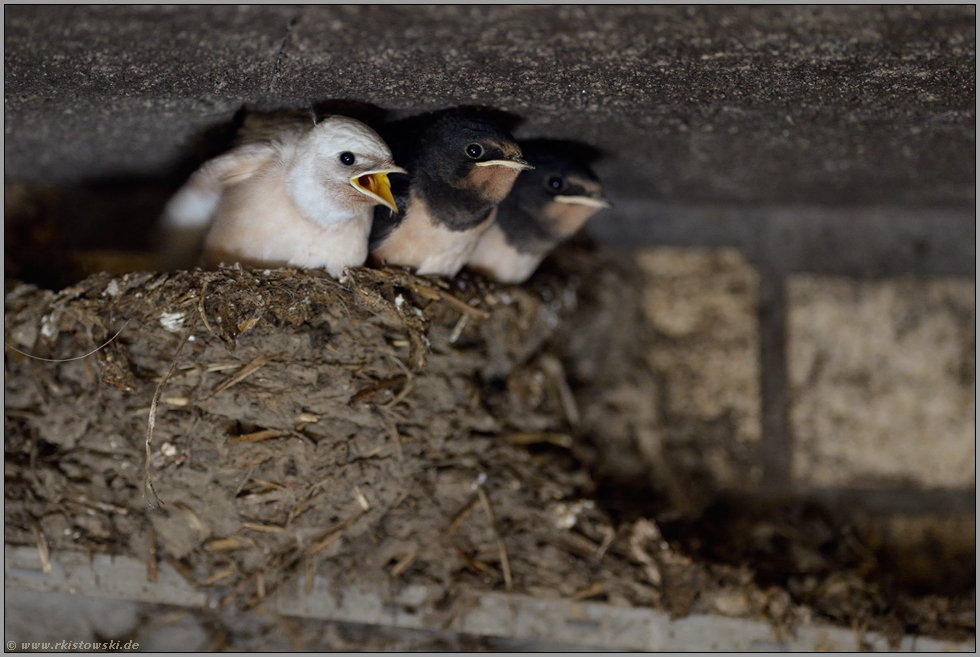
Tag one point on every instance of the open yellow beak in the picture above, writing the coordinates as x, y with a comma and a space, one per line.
584, 200
375, 185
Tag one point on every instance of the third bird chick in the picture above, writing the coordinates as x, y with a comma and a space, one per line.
547, 206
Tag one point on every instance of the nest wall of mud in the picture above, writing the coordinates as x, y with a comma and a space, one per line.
388, 430
372, 431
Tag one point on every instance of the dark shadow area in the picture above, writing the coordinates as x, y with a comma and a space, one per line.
833, 559
568, 148
411, 120
367, 113
788, 539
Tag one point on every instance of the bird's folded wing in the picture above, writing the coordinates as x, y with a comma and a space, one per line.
195, 202
189, 213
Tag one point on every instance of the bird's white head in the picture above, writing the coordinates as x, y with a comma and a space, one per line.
339, 170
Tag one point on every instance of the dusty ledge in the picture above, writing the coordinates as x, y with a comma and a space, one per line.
493, 614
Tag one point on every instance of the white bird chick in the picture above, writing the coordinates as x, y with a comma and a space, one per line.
302, 197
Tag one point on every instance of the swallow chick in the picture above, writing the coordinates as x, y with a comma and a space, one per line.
547, 206
460, 165
302, 196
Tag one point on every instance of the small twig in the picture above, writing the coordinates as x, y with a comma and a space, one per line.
553, 367
424, 290
504, 561
462, 305
244, 481
464, 319
536, 437
182, 570
256, 363
83, 500
645, 531
609, 535
362, 501
335, 532
221, 367
42, 547
463, 515
152, 565
378, 386
224, 545
393, 433
269, 484
308, 573
249, 323
200, 310
227, 572
406, 391
399, 568
325, 542
575, 543
259, 527
409, 385
298, 509
151, 421
255, 436
590, 591
67, 360
473, 565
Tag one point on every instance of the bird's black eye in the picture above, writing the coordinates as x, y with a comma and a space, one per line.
556, 183
347, 158
474, 150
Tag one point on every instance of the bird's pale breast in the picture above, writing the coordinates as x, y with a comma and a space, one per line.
258, 223
419, 242
496, 258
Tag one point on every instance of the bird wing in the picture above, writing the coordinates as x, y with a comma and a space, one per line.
196, 201
189, 213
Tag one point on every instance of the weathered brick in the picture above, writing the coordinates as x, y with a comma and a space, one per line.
883, 382
703, 305
669, 352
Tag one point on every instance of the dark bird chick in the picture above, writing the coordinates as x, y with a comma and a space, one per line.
547, 205
461, 164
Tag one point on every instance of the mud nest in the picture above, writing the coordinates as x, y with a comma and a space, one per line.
388, 428
249, 427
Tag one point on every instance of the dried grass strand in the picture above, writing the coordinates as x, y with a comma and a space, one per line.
504, 560
202, 313
68, 360
152, 560
459, 304
42, 547
257, 362
409, 383
463, 515
151, 420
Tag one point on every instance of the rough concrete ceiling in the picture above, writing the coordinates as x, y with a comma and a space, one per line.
823, 105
